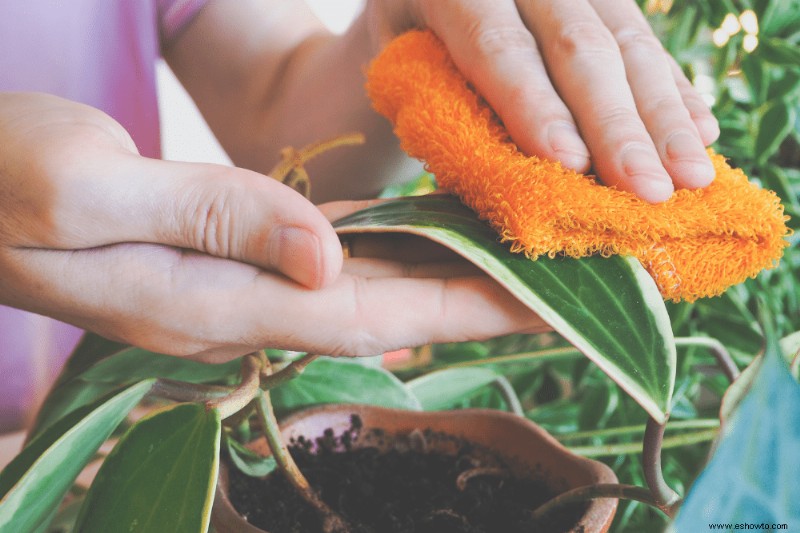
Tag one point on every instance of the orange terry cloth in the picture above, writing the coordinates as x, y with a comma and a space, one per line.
696, 244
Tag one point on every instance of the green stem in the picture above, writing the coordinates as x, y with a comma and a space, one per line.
332, 522
509, 395
601, 490
702, 423
686, 439
717, 349
543, 355
666, 498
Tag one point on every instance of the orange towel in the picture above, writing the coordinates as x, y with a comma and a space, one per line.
696, 244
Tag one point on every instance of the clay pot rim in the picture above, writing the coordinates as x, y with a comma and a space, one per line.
598, 516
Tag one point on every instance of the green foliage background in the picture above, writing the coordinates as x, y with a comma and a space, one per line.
756, 98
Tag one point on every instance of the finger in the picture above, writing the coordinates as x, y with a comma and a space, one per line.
499, 56
704, 120
585, 64
658, 100
187, 303
225, 212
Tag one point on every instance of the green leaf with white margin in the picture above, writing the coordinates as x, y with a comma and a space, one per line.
609, 308
445, 389
338, 380
98, 365
160, 476
34, 483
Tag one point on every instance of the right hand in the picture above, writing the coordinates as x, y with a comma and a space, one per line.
203, 260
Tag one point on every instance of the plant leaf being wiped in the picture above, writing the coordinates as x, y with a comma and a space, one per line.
609, 308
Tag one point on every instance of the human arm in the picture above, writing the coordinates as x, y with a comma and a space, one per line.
189, 259
583, 82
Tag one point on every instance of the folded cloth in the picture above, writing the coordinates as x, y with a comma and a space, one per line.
696, 244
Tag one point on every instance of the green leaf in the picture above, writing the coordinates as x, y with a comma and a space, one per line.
34, 483
779, 52
97, 366
775, 125
754, 475
329, 380
160, 476
609, 308
447, 388
247, 461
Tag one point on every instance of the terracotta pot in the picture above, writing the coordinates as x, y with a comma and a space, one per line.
518, 441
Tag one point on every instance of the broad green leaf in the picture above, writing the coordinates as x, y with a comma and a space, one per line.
92, 375
609, 308
775, 125
247, 461
160, 476
34, 483
754, 475
329, 380
444, 389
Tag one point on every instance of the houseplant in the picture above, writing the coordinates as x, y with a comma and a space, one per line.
559, 388
103, 381
162, 472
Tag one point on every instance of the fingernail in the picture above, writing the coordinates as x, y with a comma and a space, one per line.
691, 161
649, 180
296, 252
568, 146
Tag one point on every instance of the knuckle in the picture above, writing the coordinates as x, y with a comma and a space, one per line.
618, 118
585, 38
209, 225
639, 41
496, 40
669, 106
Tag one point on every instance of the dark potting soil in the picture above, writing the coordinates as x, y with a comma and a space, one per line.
406, 489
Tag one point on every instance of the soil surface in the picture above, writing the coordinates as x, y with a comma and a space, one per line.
406, 489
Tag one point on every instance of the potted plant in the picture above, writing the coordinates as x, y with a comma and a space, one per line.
161, 475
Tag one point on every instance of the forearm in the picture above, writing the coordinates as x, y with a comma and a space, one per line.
309, 89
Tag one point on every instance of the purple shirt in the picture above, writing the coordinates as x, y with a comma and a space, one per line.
101, 53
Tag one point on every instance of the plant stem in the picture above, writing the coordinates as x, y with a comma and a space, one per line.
702, 423
717, 349
180, 391
332, 522
543, 355
292, 370
509, 395
628, 448
601, 490
667, 499
243, 394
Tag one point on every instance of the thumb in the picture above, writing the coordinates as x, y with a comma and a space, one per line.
225, 212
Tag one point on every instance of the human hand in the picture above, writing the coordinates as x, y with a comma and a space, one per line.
583, 82
204, 260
